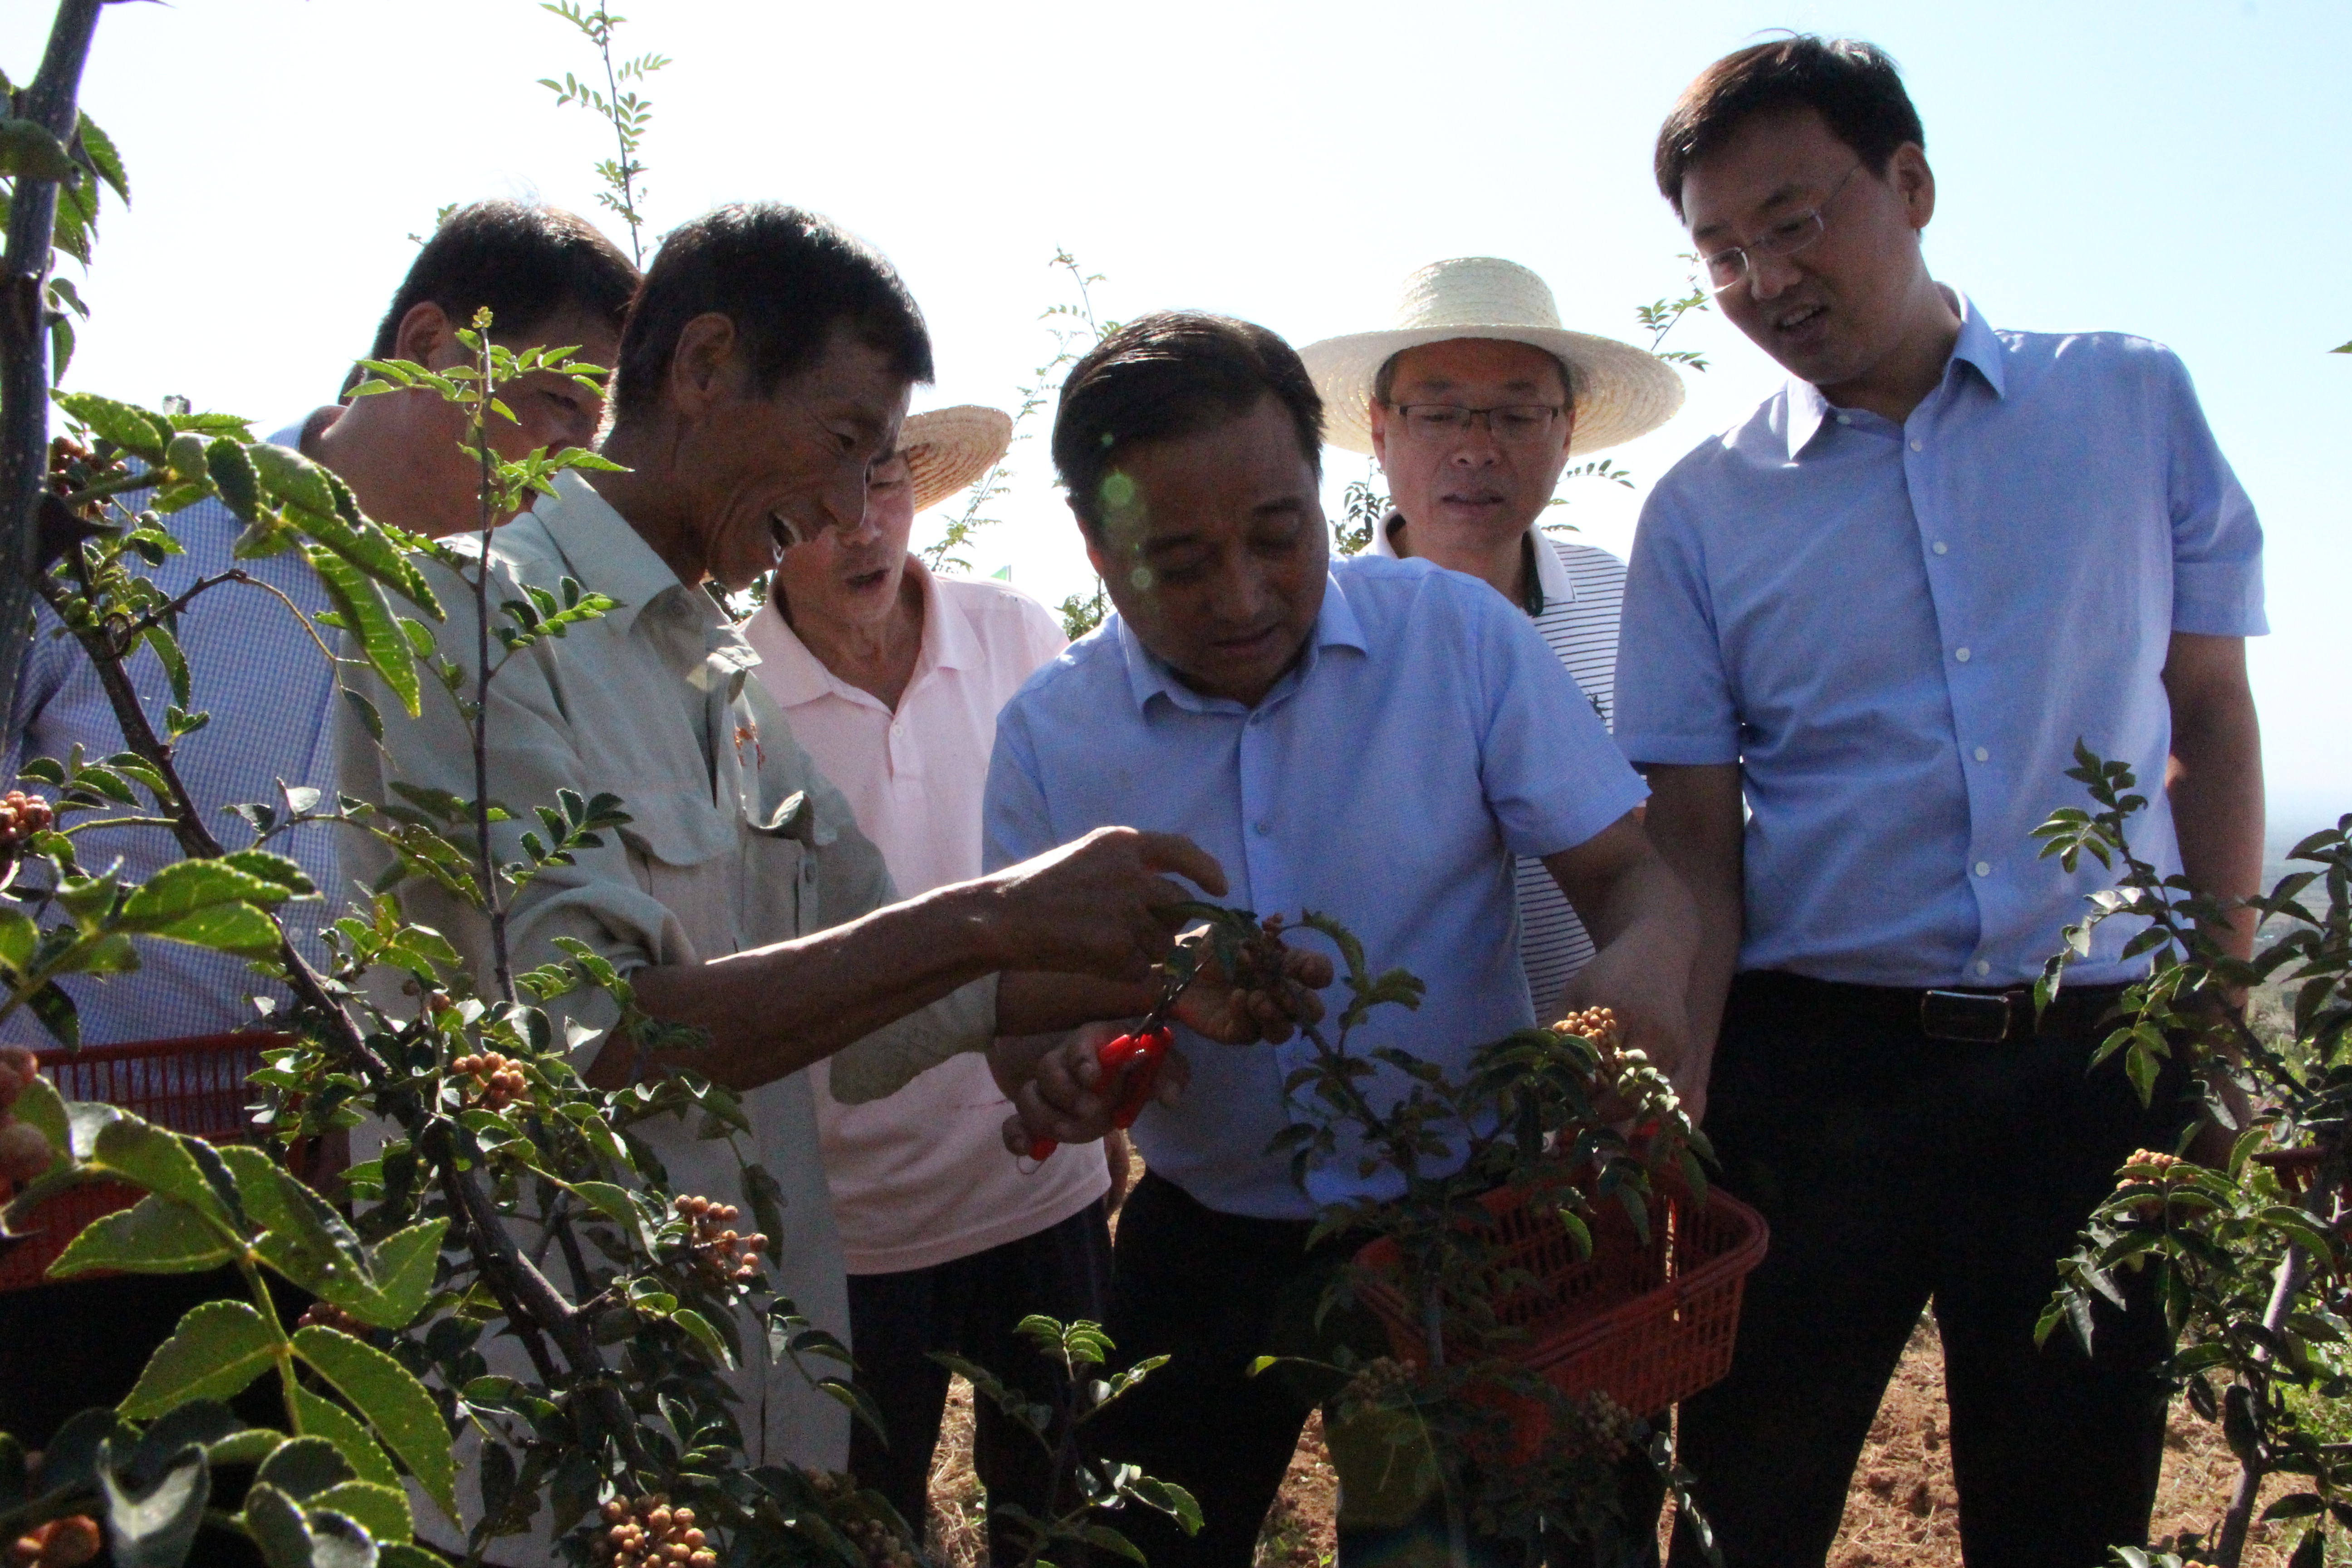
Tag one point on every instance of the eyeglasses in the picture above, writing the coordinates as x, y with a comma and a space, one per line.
1786, 236
1512, 424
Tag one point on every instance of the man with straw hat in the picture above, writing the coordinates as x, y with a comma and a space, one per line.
1474, 400
891, 678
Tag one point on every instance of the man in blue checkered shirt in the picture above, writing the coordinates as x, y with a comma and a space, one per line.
548, 276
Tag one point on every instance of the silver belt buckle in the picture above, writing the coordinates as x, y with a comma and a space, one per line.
1974, 1017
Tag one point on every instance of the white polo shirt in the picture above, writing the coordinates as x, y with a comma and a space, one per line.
1583, 588
922, 1177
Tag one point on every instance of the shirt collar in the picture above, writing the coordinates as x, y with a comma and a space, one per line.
793, 675
1551, 573
603, 552
1147, 677
1979, 346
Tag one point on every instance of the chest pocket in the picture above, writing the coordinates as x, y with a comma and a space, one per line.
685, 854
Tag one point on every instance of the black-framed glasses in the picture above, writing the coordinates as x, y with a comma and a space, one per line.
1786, 236
1510, 424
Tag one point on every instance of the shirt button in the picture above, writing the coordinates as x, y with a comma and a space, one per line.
1961, 654
1942, 548
1983, 755
1918, 445
1984, 867
1264, 828
1984, 967
1845, 419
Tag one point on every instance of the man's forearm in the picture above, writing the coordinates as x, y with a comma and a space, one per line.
1696, 822
773, 1010
2214, 780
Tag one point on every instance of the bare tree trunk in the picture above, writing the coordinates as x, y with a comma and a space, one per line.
50, 102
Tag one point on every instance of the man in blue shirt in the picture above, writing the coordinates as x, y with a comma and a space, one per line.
1374, 739
1878, 615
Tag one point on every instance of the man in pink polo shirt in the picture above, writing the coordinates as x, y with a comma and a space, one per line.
892, 679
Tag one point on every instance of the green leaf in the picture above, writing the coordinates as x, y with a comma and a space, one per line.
154, 1528
231, 468
249, 1446
393, 1403
700, 1329
30, 151
302, 1236
304, 1467
323, 1417
273, 869
131, 428
218, 1348
403, 1275
381, 1510
369, 621
186, 885
98, 148
154, 1235
291, 476
277, 1527
159, 1161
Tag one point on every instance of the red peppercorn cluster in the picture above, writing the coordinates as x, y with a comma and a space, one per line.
1378, 1378
878, 1541
646, 1533
1598, 1025
1596, 1428
24, 1151
70, 465
21, 816
66, 1543
498, 1082
2163, 1165
718, 1251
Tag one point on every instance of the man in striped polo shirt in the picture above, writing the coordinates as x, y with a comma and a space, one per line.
1474, 401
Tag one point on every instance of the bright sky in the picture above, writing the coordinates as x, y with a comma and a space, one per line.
2172, 168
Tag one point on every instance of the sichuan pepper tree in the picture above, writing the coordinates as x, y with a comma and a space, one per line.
2248, 1261
1572, 1121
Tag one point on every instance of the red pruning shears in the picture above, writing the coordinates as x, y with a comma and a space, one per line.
1138, 1055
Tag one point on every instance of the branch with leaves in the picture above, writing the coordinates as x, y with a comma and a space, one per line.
619, 105
2248, 1262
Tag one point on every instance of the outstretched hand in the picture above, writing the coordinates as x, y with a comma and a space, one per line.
1274, 992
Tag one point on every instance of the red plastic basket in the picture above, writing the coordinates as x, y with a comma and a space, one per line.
1648, 1324
192, 1085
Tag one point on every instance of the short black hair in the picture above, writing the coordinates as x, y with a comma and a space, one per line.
787, 279
1173, 372
527, 263
1855, 87
1384, 378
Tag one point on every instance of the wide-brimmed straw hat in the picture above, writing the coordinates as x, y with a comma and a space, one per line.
948, 449
1621, 392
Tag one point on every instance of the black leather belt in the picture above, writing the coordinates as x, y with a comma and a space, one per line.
1958, 1015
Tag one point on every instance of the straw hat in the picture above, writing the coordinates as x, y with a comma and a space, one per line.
1621, 391
948, 449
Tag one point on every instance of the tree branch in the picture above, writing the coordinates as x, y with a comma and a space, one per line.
49, 103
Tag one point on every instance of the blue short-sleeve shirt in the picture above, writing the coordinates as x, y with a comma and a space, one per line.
1900, 631
1426, 736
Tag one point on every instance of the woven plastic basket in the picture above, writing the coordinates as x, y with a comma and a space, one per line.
1647, 1324
192, 1085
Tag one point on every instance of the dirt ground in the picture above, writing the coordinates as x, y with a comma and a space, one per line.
1900, 1514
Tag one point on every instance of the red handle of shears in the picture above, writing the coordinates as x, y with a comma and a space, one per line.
1137, 1056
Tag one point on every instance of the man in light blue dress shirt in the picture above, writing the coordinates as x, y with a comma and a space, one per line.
1863, 630
1375, 740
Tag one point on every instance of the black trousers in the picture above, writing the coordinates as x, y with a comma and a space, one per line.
1896, 1170
1213, 1291
969, 1307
